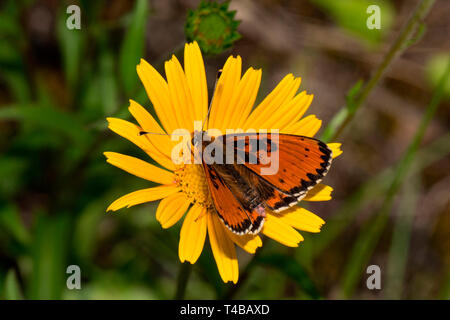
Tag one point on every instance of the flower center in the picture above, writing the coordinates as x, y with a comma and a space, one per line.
191, 179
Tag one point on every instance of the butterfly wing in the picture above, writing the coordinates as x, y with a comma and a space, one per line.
302, 164
235, 203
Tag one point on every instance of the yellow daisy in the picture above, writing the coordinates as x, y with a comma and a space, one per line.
179, 101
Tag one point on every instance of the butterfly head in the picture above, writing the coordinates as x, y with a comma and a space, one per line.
200, 139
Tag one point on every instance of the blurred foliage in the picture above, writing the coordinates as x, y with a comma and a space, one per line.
132, 49
58, 85
12, 288
436, 68
352, 14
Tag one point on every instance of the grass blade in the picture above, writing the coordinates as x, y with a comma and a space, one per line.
50, 246
133, 46
12, 287
398, 253
49, 118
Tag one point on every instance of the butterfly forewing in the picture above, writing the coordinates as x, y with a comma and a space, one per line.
302, 161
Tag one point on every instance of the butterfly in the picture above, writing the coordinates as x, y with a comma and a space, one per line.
241, 194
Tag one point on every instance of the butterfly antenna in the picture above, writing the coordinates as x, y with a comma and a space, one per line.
219, 73
141, 133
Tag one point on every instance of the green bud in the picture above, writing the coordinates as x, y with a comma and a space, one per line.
213, 26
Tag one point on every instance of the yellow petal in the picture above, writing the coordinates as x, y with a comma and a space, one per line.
242, 100
158, 136
260, 118
293, 110
320, 192
194, 69
180, 95
193, 234
139, 168
142, 196
223, 249
307, 126
280, 231
336, 148
171, 209
131, 131
302, 219
158, 92
248, 242
226, 85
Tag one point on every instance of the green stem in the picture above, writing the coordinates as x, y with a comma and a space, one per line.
346, 115
182, 281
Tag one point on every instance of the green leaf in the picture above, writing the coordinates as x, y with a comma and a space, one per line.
50, 247
435, 68
292, 269
418, 36
86, 228
132, 49
352, 15
49, 118
11, 222
12, 171
71, 43
344, 112
108, 85
352, 96
13, 72
12, 287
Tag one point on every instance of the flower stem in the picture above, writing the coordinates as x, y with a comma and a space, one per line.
182, 281
346, 115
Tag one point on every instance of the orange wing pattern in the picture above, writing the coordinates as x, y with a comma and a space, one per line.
302, 164
233, 208
241, 193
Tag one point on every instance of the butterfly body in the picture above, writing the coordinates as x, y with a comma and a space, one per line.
241, 192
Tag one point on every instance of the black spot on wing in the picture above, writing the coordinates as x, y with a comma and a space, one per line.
285, 203
256, 224
320, 172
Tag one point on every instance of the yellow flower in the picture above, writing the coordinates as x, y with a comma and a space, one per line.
180, 101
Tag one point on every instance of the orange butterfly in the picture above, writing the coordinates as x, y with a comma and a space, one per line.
241, 194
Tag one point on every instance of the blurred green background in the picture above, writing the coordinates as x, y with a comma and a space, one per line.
58, 85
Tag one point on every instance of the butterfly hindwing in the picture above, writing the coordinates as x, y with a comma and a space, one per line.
237, 206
